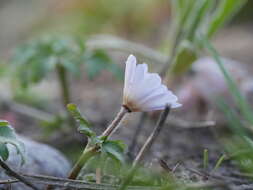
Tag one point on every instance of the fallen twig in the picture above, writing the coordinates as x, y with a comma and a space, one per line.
12, 173
77, 184
8, 181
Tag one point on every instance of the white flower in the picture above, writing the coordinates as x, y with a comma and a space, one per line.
144, 91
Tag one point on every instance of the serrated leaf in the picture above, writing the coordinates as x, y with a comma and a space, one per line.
115, 149
8, 136
34, 60
84, 125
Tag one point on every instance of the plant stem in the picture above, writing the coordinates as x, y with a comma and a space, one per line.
115, 123
86, 155
98, 175
145, 148
62, 76
205, 159
66, 99
152, 137
132, 147
92, 151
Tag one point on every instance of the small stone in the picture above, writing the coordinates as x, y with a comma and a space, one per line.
40, 159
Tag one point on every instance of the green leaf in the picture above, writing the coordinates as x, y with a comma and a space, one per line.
84, 125
225, 10
196, 18
182, 9
115, 149
34, 60
4, 153
8, 136
3, 123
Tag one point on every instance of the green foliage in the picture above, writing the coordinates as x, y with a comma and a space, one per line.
115, 149
205, 159
194, 17
238, 98
219, 162
56, 124
34, 60
84, 125
4, 153
240, 145
225, 10
8, 136
3, 69
97, 61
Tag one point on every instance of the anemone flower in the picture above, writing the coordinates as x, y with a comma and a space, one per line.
143, 91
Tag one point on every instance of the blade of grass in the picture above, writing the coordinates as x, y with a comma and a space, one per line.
219, 162
239, 99
205, 159
226, 9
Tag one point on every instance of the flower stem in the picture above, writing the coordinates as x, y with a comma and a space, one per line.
141, 122
91, 151
115, 123
145, 148
152, 137
86, 155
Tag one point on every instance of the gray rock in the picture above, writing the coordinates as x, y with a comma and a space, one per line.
40, 159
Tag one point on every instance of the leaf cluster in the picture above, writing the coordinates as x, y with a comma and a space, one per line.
8, 136
35, 59
113, 148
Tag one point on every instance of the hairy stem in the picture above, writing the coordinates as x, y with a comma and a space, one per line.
115, 123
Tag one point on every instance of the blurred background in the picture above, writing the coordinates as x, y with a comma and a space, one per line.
54, 52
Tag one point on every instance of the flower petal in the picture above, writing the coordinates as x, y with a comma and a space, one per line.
140, 72
129, 72
144, 91
159, 101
